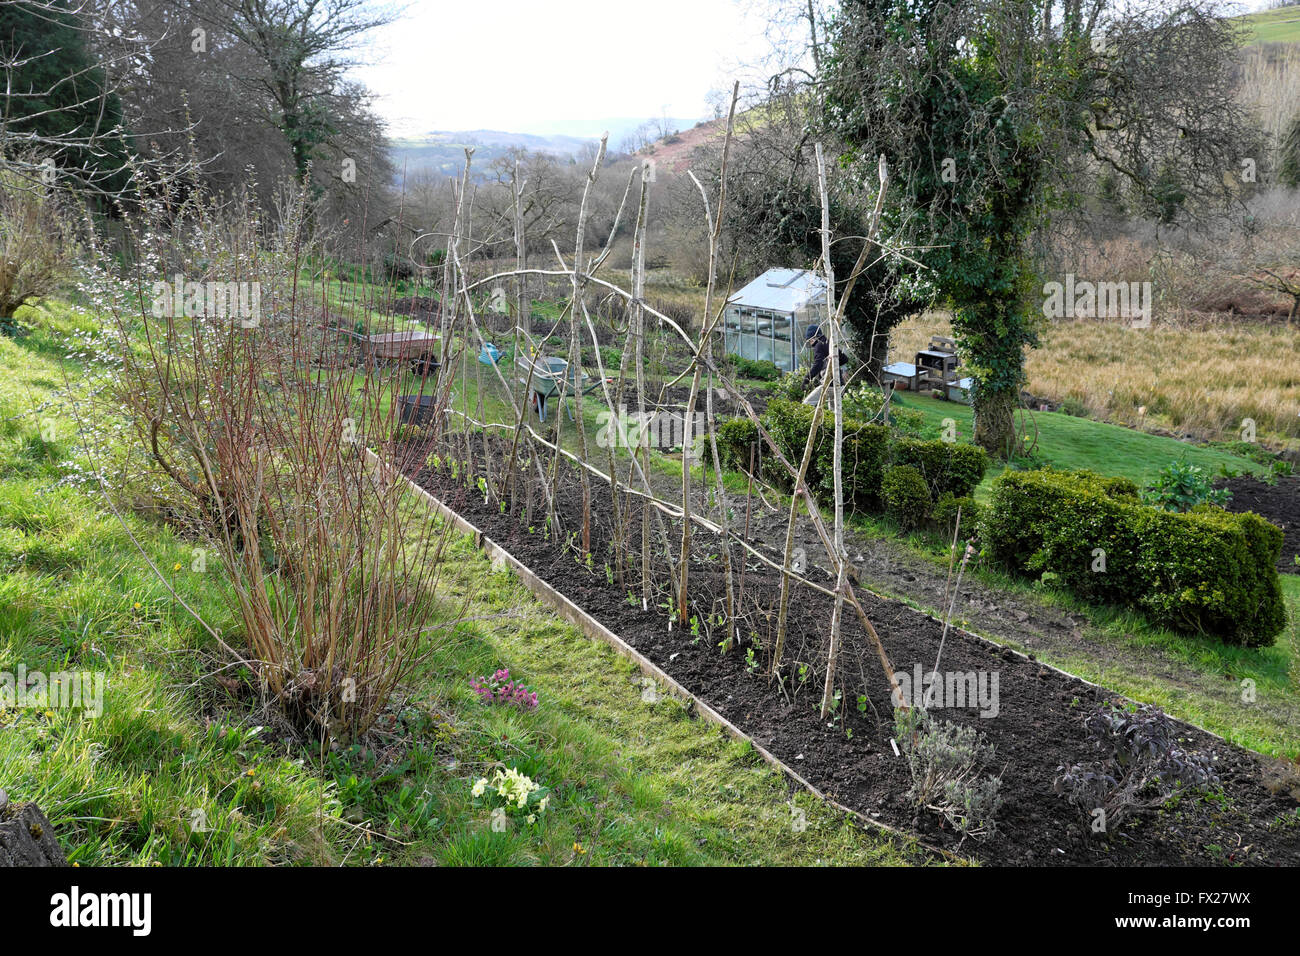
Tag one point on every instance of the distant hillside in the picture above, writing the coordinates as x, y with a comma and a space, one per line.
1274, 26
443, 151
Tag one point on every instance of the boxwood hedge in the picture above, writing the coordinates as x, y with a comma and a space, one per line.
1206, 571
868, 451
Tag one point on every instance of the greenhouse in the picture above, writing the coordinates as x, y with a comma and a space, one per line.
766, 319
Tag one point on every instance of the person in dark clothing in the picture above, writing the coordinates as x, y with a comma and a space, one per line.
815, 338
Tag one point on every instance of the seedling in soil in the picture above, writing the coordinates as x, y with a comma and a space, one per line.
751, 661
835, 707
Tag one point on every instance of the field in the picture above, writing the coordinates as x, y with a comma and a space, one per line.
1274, 26
1194, 380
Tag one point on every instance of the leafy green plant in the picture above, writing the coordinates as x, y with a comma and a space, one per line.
792, 386
509, 793
1181, 486
866, 403
758, 369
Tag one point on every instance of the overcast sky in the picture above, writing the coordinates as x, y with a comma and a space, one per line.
554, 66
531, 63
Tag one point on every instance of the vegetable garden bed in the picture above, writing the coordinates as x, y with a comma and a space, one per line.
1252, 818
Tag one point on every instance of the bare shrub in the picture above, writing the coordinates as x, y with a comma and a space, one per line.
36, 240
247, 418
1138, 763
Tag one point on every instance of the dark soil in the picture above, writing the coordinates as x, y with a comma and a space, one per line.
724, 401
1038, 726
1278, 503
420, 306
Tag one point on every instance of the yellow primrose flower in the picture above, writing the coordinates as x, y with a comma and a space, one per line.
479, 786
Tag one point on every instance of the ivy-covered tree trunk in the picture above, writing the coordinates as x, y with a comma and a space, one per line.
995, 334
876, 355
995, 420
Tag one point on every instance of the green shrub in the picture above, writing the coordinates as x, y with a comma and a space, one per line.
864, 453
947, 467
736, 436
1213, 572
760, 369
791, 386
946, 508
907, 498
1181, 486
1205, 571
866, 403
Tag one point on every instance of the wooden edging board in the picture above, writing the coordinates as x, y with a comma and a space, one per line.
593, 629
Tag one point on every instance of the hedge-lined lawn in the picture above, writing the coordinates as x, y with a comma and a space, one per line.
1068, 443
175, 772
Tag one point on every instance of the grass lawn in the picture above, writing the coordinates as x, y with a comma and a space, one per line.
175, 772
1067, 443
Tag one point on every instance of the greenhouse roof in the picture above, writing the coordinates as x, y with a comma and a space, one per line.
782, 290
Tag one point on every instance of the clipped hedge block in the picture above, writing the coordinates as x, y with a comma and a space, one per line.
1206, 571
907, 497
869, 449
948, 507
947, 467
864, 451
736, 436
